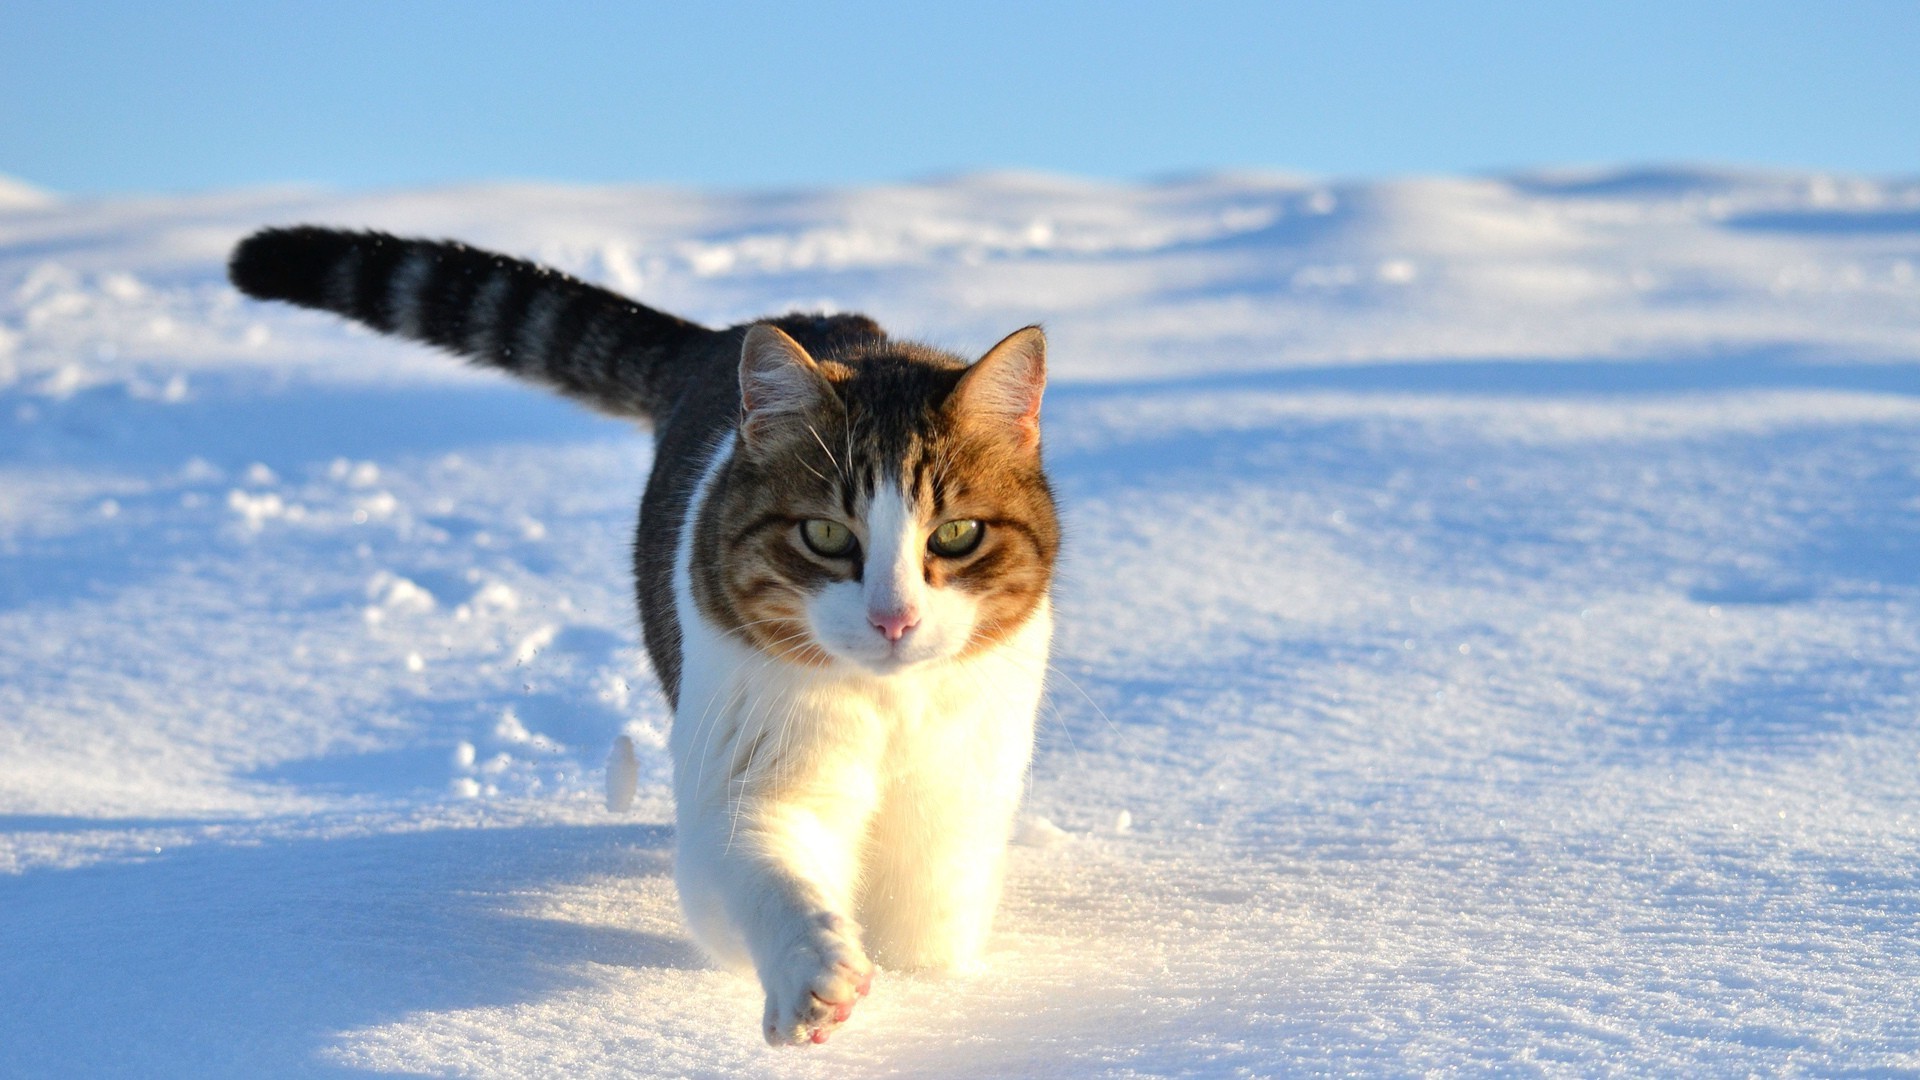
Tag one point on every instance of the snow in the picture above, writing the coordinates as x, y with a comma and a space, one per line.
1490, 637
15, 194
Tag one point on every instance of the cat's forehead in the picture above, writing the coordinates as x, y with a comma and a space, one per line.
892, 402
925, 481
889, 428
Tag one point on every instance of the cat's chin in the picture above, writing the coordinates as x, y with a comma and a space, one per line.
887, 664
892, 665
882, 666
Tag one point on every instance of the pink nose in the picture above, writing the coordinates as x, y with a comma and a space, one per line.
894, 624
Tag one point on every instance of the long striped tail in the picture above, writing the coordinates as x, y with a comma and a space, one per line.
586, 342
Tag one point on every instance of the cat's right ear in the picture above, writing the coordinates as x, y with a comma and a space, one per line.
779, 383
1005, 385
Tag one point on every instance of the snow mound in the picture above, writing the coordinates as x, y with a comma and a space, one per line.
20, 195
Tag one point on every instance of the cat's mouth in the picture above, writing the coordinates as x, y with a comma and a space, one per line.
897, 658
885, 658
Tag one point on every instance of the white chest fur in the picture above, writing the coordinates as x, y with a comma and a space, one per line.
826, 811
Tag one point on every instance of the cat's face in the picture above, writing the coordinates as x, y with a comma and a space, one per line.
883, 514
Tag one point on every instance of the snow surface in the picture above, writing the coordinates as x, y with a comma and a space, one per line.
1490, 637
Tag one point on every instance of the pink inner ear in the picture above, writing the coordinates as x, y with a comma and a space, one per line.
1008, 382
777, 377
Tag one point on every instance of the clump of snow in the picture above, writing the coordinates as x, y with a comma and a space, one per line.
623, 774
494, 596
358, 474
392, 593
531, 644
256, 509
1036, 831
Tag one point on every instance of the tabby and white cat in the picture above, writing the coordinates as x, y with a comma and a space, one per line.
843, 561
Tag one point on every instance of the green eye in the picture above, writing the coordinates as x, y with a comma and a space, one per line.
828, 538
956, 538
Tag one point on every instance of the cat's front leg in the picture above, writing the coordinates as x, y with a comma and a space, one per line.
813, 983
801, 861
771, 873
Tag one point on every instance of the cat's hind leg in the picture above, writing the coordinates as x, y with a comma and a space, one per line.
936, 849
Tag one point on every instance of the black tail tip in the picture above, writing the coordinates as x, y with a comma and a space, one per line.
289, 264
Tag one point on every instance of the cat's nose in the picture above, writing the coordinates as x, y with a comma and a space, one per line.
893, 625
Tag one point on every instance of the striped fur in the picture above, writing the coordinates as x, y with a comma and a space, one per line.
590, 344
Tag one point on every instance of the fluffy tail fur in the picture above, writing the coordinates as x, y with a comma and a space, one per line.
590, 344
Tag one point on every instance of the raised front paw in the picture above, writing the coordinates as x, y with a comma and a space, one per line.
813, 987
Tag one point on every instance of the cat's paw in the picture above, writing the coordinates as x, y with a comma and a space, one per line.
813, 988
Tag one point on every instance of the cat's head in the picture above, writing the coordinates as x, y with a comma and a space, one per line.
881, 509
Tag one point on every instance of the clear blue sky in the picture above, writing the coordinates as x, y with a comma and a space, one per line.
167, 96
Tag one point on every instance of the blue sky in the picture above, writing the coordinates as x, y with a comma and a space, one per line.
117, 96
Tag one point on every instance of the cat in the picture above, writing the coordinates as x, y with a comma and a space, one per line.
843, 564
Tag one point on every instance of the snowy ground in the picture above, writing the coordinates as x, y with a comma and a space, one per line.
1490, 637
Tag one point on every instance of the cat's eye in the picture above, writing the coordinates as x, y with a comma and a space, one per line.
828, 538
956, 538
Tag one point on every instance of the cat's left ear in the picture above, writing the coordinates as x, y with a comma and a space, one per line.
1004, 386
779, 383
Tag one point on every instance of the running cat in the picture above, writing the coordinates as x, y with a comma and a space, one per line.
843, 566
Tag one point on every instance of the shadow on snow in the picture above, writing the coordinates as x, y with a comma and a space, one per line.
242, 960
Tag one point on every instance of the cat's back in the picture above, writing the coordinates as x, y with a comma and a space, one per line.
709, 402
